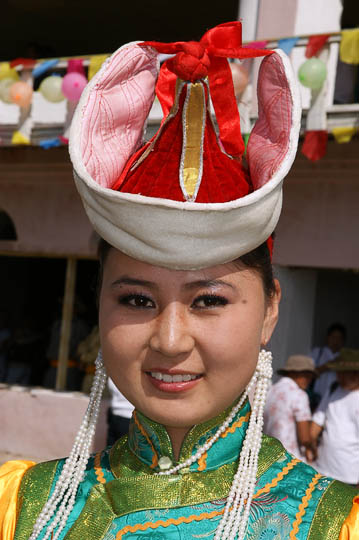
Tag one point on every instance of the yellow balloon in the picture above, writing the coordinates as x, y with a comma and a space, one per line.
6, 72
5, 85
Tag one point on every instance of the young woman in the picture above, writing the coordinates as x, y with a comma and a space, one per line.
187, 302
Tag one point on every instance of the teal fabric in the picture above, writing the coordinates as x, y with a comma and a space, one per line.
109, 509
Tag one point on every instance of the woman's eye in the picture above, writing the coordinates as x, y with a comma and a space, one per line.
209, 301
137, 301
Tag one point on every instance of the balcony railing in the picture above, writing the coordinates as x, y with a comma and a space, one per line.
50, 120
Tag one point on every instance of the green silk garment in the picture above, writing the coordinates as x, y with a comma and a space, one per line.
121, 497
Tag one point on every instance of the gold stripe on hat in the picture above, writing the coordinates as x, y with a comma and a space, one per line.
193, 122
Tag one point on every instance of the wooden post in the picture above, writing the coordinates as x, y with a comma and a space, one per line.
65, 335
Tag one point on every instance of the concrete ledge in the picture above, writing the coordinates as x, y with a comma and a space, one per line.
41, 424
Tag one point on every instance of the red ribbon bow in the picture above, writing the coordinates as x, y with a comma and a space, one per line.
208, 57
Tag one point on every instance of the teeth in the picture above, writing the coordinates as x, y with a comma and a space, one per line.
172, 378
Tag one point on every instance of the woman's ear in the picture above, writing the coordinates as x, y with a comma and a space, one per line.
271, 315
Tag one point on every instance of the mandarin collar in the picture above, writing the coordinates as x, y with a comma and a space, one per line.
150, 442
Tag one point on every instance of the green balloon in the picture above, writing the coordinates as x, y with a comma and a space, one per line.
312, 73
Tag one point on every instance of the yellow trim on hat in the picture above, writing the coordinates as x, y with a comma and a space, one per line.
194, 121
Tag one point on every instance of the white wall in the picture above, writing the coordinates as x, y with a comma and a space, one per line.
293, 334
285, 18
248, 14
317, 16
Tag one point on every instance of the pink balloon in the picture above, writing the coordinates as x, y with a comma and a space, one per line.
240, 79
73, 85
21, 93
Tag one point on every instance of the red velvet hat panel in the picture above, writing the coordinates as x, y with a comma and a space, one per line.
157, 175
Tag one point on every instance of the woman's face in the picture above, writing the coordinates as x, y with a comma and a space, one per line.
182, 345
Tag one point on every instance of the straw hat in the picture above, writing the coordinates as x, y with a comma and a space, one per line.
347, 360
298, 362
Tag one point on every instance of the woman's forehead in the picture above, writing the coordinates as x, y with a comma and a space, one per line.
119, 264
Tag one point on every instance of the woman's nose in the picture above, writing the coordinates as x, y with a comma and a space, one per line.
172, 334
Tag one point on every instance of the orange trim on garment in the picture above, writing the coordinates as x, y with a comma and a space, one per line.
238, 424
302, 507
144, 433
202, 462
278, 478
205, 515
171, 521
98, 469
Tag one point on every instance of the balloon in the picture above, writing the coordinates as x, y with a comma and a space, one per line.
5, 85
21, 94
240, 79
50, 88
6, 72
312, 73
72, 85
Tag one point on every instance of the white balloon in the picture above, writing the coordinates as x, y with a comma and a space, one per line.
50, 88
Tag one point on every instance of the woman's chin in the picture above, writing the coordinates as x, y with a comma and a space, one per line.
179, 416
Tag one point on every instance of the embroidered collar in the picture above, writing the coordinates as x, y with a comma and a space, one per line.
150, 442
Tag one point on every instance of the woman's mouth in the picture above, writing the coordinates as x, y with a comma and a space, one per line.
176, 382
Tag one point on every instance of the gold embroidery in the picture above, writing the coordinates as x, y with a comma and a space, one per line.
302, 507
33, 494
194, 114
98, 469
200, 517
144, 433
333, 508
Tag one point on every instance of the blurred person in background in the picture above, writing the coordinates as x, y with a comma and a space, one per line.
336, 336
4, 344
287, 413
87, 351
79, 331
23, 352
337, 420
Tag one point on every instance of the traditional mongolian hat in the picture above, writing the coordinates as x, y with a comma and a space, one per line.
185, 199
347, 360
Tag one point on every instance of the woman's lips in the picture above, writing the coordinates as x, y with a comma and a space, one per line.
174, 385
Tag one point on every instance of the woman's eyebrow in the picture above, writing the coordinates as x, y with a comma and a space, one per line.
125, 280
203, 283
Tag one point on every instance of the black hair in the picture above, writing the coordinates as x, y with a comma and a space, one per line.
337, 327
258, 259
